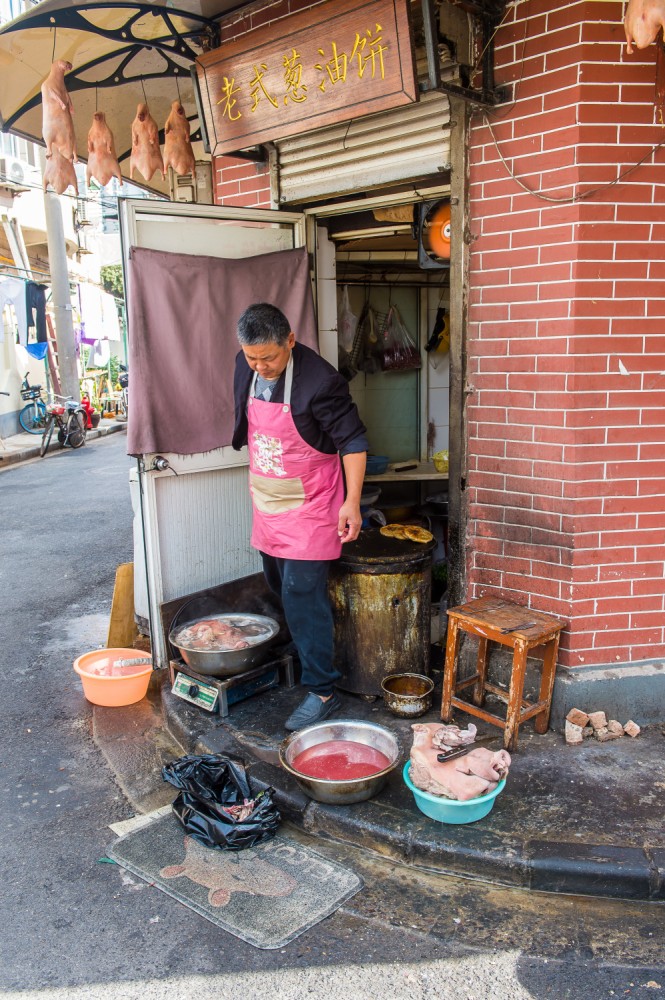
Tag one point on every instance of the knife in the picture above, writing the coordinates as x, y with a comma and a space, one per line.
461, 751
517, 628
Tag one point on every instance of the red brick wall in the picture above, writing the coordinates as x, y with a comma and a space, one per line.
241, 182
238, 182
566, 334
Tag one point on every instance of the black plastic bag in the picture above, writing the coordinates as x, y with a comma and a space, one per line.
213, 788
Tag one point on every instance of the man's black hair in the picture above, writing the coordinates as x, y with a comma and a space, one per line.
263, 323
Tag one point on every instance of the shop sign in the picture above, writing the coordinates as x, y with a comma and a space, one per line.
299, 74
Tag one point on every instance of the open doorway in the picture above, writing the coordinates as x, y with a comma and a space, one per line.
370, 260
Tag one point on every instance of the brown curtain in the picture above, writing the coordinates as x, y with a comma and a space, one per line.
183, 311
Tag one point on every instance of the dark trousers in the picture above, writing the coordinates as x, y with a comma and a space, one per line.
302, 586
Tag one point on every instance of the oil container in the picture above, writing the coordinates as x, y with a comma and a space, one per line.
380, 591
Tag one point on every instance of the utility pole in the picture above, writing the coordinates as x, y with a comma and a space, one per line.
60, 297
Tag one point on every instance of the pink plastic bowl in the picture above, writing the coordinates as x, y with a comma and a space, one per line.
113, 691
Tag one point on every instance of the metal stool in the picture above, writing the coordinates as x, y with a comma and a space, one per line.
492, 619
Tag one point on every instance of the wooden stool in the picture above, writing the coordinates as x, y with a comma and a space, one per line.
495, 620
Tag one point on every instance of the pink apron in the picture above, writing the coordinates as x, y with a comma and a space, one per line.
296, 490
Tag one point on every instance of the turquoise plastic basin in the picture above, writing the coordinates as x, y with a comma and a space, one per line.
450, 810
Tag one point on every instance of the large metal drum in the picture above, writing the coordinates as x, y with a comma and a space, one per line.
380, 591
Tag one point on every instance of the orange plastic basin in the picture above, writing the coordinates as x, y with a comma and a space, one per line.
103, 689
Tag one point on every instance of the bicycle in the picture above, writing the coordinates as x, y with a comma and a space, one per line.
71, 420
32, 417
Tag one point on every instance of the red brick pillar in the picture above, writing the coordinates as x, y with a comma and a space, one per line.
566, 333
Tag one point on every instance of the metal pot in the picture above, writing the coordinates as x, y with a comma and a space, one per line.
369, 497
226, 663
407, 695
341, 792
439, 503
399, 512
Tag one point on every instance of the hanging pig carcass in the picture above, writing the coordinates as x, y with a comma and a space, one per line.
57, 109
178, 152
146, 156
643, 20
102, 158
59, 173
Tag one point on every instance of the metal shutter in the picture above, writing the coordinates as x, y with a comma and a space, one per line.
395, 146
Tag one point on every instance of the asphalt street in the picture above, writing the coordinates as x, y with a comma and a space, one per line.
74, 926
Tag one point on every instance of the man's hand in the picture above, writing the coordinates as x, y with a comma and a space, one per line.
349, 522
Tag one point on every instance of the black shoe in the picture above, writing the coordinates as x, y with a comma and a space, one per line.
312, 710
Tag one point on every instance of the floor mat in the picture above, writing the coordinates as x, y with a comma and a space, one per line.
266, 895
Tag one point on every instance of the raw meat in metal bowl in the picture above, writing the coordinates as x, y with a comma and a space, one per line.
220, 635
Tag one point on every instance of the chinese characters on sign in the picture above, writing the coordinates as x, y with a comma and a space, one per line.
267, 86
333, 71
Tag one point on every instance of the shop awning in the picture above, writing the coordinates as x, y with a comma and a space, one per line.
122, 53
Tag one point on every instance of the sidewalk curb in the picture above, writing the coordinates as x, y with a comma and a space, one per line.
13, 458
401, 833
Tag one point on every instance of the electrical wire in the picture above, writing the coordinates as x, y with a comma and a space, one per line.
506, 109
5, 264
4, 178
577, 197
479, 60
541, 194
36, 271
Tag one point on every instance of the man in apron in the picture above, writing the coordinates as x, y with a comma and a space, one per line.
295, 413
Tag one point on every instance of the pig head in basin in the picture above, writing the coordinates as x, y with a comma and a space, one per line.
476, 773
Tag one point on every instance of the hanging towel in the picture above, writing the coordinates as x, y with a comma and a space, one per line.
182, 339
35, 300
91, 310
100, 354
12, 291
110, 322
37, 351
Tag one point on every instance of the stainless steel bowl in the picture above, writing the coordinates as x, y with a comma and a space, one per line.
334, 792
226, 663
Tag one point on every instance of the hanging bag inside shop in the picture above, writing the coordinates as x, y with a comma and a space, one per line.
348, 327
399, 350
347, 321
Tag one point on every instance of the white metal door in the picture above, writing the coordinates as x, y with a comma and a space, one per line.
195, 511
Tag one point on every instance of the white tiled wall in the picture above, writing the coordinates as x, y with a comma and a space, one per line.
438, 379
326, 292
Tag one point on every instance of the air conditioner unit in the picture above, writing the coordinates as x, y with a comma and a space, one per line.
12, 170
18, 172
193, 188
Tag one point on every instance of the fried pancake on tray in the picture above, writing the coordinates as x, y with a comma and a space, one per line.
395, 531
407, 533
416, 534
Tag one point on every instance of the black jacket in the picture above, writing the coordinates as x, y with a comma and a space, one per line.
324, 413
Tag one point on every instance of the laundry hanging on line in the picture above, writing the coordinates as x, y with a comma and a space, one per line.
12, 292
35, 300
37, 351
99, 313
100, 353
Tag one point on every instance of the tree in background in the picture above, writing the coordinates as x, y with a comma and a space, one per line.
111, 278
